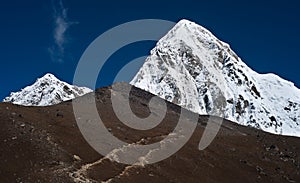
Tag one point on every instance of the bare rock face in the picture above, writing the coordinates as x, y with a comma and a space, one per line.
190, 61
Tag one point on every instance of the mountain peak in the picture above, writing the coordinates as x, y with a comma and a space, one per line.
47, 90
48, 75
193, 29
187, 66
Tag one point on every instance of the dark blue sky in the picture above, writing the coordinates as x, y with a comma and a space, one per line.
265, 34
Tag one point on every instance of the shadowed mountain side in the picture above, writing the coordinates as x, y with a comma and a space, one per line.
44, 144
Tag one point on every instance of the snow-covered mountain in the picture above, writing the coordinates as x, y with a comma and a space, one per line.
47, 90
192, 68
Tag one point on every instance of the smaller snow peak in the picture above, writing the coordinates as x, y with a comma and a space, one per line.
47, 90
48, 76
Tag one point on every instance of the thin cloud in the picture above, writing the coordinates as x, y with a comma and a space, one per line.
61, 25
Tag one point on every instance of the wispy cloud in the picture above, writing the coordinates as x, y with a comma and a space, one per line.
61, 25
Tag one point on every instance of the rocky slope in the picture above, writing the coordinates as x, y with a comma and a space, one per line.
192, 68
47, 90
44, 144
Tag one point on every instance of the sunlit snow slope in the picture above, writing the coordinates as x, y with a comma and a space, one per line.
192, 68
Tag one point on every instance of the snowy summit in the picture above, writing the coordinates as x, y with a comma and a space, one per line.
47, 90
192, 68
